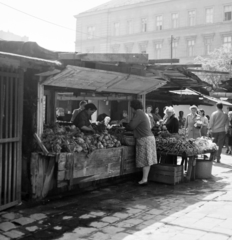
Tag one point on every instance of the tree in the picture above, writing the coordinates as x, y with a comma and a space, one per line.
218, 60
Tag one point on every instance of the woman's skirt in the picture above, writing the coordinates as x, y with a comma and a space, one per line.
146, 151
204, 131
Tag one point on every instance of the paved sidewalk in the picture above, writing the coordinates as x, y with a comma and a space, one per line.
197, 210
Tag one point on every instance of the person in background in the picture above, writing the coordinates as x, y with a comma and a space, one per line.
172, 125
207, 117
82, 120
125, 118
145, 141
229, 134
76, 111
190, 124
205, 123
150, 116
218, 127
181, 119
156, 115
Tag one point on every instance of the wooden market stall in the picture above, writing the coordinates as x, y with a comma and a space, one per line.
65, 170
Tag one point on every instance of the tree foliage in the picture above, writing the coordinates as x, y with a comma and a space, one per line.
218, 60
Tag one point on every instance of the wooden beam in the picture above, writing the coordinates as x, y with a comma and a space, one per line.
40, 107
207, 71
106, 57
154, 61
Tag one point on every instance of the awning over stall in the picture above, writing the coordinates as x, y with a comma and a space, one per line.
205, 98
104, 81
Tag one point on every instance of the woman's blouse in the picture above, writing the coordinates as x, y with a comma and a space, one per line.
181, 122
140, 125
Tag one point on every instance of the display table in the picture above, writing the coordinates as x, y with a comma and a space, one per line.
64, 170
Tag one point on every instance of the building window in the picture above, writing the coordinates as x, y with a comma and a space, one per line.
227, 43
115, 48
159, 22
192, 18
143, 46
208, 45
191, 44
175, 20
90, 32
209, 15
129, 47
144, 24
158, 48
116, 29
174, 48
129, 27
228, 12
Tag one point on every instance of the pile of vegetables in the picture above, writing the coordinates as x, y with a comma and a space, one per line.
179, 145
58, 139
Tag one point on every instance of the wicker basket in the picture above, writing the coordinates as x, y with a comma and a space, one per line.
128, 140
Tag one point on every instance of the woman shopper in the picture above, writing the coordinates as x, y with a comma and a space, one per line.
205, 122
145, 141
194, 130
172, 125
150, 116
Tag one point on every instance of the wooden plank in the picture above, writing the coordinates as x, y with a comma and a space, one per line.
6, 163
20, 126
9, 140
16, 114
49, 176
208, 71
190, 166
106, 57
173, 60
40, 177
10, 160
1, 130
40, 108
41, 145
9, 205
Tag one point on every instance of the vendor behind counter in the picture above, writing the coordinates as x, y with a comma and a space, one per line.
82, 120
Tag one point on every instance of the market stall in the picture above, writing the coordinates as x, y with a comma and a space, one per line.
70, 157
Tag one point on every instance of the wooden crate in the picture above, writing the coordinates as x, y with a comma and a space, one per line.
164, 173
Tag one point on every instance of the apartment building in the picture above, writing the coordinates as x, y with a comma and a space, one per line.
180, 29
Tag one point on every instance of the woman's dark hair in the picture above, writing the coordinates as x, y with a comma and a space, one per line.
181, 113
90, 106
208, 117
101, 117
149, 106
136, 104
202, 111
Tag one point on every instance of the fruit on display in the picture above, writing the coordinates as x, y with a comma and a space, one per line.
58, 139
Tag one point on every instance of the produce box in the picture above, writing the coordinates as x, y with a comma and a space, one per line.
165, 173
128, 140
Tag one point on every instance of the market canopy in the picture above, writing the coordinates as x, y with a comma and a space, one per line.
205, 98
104, 81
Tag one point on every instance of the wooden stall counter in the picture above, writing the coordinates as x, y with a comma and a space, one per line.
65, 170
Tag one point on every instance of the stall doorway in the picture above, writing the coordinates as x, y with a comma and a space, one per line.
11, 114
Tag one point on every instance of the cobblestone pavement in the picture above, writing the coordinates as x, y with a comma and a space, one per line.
201, 209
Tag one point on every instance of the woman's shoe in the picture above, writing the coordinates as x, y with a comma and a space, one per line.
142, 183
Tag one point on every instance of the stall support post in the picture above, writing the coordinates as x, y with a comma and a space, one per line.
144, 101
191, 169
40, 107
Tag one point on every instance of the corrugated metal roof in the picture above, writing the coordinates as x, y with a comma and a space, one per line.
116, 4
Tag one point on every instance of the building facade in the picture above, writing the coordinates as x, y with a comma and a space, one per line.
180, 29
